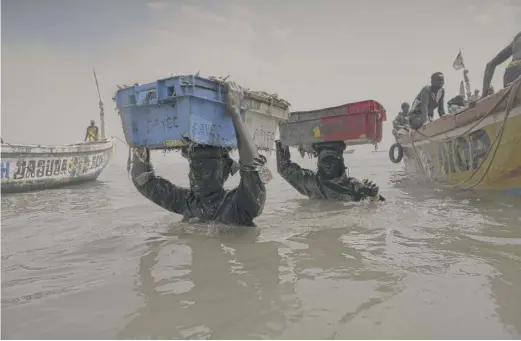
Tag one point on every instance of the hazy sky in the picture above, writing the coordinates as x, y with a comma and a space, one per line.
313, 53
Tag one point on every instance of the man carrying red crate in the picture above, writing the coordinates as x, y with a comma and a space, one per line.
330, 181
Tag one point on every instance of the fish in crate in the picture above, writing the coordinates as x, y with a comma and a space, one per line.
168, 113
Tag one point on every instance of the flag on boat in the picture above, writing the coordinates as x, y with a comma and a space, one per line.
458, 62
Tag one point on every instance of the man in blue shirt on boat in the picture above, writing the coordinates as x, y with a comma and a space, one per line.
430, 97
210, 167
330, 181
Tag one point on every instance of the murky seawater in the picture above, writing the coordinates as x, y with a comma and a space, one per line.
100, 261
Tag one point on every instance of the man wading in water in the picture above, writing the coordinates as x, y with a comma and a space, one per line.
430, 97
513, 70
206, 199
330, 181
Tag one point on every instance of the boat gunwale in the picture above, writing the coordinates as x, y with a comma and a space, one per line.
453, 133
78, 148
478, 111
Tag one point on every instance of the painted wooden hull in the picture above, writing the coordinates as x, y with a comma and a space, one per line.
467, 151
33, 167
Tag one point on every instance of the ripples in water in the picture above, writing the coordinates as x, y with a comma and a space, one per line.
101, 262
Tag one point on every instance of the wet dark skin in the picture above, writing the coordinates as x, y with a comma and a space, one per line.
205, 176
405, 108
500, 58
330, 167
206, 199
428, 101
329, 182
401, 118
437, 82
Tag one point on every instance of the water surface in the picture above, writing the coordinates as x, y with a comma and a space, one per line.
100, 261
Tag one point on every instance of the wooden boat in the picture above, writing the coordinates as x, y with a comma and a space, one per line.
31, 167
478, 147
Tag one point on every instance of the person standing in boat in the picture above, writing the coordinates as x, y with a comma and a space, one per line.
512, 71
456, 104
401, 121
430, 97
210, 167
92, 132
475, 96
330, 181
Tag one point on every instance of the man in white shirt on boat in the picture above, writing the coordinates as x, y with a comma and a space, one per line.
430, 97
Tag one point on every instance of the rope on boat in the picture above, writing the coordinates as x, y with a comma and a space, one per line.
511, 94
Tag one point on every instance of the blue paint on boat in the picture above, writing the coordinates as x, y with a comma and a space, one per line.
513, 191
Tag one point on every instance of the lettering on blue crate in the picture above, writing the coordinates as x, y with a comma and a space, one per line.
205, 129
165, 123
5, 169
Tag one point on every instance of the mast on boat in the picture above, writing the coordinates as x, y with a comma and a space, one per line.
458, 65
101, 111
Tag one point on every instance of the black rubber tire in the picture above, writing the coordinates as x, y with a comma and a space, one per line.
400, 153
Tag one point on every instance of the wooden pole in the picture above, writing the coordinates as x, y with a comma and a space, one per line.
101, 111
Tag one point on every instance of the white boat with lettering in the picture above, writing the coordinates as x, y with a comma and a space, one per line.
32, 167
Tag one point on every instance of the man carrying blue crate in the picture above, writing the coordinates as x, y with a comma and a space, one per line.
210, 167
330, 181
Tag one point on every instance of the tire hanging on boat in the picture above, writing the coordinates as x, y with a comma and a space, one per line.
396, 159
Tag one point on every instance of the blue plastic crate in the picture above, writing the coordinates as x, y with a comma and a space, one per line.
161, 114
